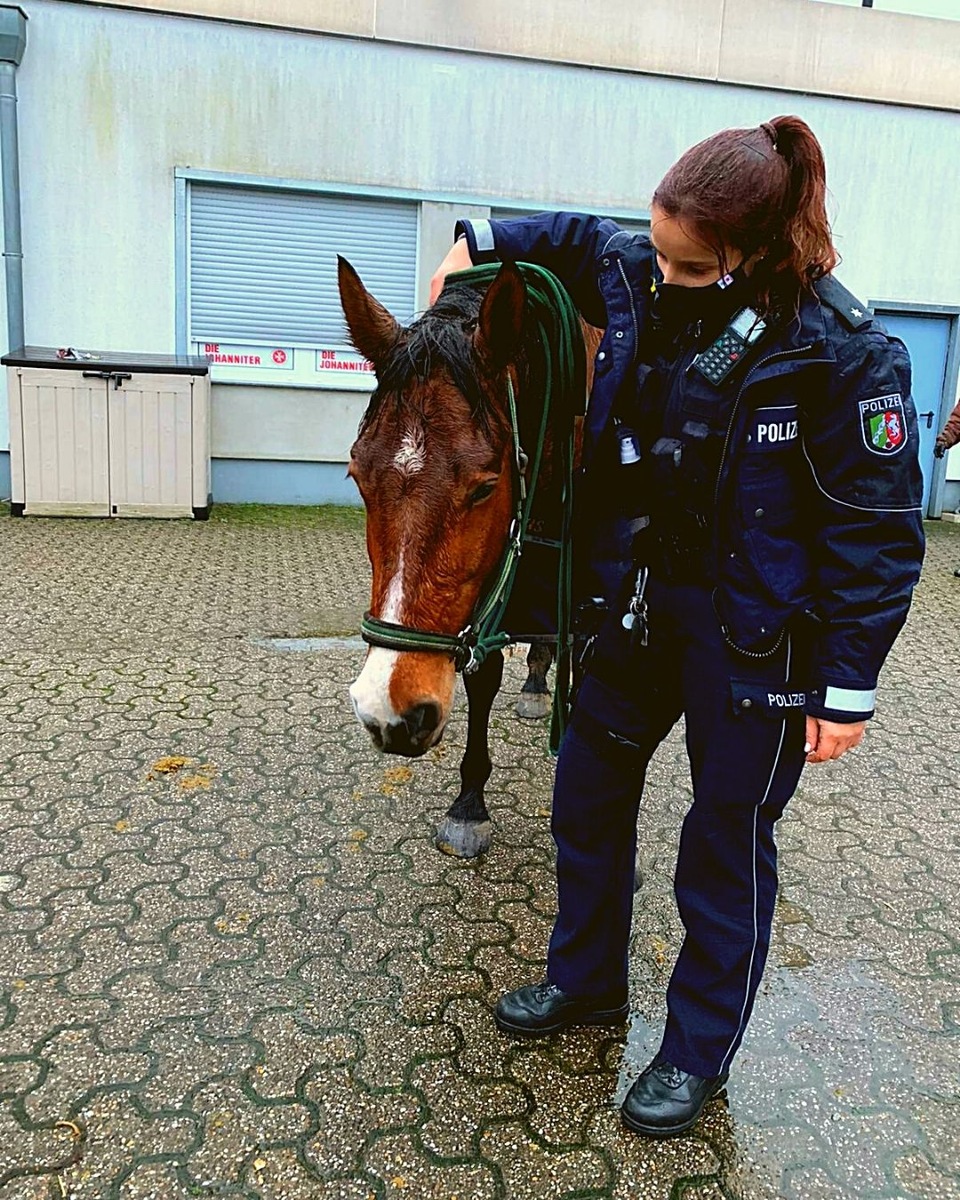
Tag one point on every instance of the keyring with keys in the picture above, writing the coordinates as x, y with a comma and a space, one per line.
634, 620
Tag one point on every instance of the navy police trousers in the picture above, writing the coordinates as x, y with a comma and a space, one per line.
745, 737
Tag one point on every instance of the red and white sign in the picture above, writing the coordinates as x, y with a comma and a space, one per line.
330, 359
268, 358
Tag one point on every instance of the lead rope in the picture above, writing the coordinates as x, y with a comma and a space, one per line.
564, 386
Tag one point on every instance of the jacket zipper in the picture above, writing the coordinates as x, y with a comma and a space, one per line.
633, 309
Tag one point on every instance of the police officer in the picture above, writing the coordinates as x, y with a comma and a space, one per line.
777, 497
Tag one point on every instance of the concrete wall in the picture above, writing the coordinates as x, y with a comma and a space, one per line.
799, 45
112, 101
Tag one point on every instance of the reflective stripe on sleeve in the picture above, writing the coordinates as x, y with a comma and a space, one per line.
483, 233
848, 700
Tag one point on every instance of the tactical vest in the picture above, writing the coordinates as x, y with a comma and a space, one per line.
683, 421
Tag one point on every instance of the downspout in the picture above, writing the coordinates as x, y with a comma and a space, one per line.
13, 41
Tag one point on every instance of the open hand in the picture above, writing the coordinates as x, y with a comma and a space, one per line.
457, 259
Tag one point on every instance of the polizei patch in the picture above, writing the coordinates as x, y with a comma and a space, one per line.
883, 424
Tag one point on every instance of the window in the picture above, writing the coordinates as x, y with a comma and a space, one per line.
263, 301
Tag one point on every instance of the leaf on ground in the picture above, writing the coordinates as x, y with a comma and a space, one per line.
392, 779
398, 774
168, 765
190, 783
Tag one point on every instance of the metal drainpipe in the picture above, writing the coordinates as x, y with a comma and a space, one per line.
13, 41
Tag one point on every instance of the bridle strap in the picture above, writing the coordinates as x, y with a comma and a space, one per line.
376, 632
564, 386
471, 645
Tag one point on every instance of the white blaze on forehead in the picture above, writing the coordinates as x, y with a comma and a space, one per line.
412, 454
393, 601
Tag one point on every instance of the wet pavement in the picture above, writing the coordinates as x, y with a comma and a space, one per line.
233, 964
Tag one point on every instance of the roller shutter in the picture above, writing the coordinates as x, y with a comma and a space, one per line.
263, 263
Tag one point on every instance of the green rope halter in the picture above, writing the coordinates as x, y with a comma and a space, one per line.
563, 378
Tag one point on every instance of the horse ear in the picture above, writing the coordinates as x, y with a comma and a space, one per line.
373, 330
500, 325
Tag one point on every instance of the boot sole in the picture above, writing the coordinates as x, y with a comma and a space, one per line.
605, 1016
660, 1131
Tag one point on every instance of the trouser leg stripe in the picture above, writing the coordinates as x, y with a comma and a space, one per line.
756, 930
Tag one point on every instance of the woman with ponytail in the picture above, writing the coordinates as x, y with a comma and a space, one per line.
758, 562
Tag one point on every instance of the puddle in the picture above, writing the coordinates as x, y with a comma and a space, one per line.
310, 645
831, 1066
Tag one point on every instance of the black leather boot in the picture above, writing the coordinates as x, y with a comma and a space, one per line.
666, 1101
542, 1008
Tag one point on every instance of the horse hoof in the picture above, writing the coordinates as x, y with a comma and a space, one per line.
464, 839
533, 706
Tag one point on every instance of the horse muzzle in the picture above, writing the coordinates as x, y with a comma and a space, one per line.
412, 735
403, 712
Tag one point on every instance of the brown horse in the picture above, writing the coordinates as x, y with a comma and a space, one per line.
433, 461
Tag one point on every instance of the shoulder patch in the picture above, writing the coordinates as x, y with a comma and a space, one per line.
853, 313
883, 424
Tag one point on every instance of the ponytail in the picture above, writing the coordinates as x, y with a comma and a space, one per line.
761, 189
806, 234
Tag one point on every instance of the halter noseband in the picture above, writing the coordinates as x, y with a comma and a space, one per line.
564, 388
463, 647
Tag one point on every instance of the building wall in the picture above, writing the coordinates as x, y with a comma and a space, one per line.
800, 45
114, 100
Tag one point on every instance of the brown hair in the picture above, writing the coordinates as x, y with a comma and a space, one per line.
762, 188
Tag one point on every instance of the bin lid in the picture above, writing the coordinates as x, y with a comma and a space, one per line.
107, 360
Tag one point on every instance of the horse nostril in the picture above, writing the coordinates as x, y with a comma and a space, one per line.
373, 728
422, 720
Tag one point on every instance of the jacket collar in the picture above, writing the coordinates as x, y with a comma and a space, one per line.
805, 327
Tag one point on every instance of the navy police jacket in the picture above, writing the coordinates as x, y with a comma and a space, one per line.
818, 517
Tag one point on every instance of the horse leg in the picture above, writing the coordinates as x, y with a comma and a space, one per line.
534, 701
466, 830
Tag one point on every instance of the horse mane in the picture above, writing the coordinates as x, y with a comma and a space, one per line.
440, 339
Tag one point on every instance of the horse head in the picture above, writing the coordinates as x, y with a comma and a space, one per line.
433, 464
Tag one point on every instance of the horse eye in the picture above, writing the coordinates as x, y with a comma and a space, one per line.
482, 492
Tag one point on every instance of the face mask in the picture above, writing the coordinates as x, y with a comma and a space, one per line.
676, 307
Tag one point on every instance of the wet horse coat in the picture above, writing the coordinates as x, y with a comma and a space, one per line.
434, 463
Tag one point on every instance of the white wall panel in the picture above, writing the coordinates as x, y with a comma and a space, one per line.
681, 37
112, 101
284, 423
796, 44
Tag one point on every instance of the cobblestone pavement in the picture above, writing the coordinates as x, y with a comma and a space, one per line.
232, 963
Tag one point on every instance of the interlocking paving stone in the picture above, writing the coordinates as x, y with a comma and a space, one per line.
249, 973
